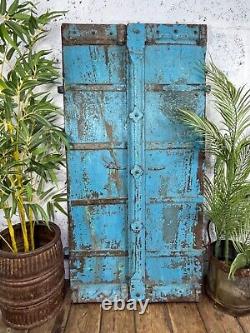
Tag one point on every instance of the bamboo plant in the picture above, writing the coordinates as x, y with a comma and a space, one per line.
227, 202
31, 141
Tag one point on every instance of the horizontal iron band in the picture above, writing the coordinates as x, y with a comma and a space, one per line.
97, 253
95, 87
93, 34
123, 145
148, 86
95, 201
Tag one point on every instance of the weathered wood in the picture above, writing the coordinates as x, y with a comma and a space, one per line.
59, 322
84, 318
117, 322
245, 323
185, 318
108, 108
153, 320
136, 162
158, 318
215, 320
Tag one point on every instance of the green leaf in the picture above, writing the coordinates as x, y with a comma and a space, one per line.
21, 16
17, 29
2, 84
43, 214
2, 48
29, 191
239, 262
10, 53
13, 7
60, 208
3, 7
7, 37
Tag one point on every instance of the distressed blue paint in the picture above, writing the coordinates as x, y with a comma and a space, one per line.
97, 174
169, 227
112, 269
133, 168
160, 110
94, 64
182, 62
100, 227
136, 175
166, 184
98, 291
162, 271
103, 109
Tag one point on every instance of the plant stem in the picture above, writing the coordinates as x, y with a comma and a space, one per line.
227, 250
21, 211
5, 241
12, 236
32, 229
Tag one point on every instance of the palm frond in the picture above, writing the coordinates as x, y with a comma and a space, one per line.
227, 194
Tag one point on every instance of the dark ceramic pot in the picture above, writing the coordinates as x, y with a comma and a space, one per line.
232, 295
32, 284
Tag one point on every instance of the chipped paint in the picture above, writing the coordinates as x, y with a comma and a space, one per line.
228, 34
134, 170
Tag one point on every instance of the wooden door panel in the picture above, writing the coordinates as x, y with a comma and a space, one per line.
96, 116
170, 228
97, 174
161, 120
95, 64
134, 170
181, 62
100, 228
172, 173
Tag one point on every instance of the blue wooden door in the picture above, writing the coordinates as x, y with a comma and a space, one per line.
134, 171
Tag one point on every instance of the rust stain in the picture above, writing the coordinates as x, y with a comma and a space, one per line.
114, 175
200, 172
99, 201
198, 229
93, 34
203, 35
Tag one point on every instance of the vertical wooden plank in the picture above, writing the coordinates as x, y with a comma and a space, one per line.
173, 229
117, 322
136, 175
84, 318
153, 320
96, 123
215, 320
185, 318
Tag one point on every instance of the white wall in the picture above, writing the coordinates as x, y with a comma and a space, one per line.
228, 31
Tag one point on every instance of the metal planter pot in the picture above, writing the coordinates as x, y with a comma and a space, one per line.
32, 284
232, 295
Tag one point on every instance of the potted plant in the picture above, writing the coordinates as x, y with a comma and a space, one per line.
31, 153
227, 203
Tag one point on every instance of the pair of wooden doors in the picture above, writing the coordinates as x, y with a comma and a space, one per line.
134, 171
